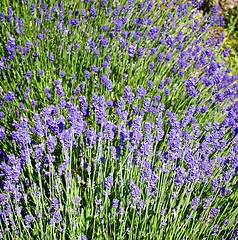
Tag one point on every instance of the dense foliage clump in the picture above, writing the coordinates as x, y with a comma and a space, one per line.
118, 121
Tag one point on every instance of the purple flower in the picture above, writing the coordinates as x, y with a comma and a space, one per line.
226, 221
51, 143
55, 203
214, 212
146, 104
215, 229
1, 65
104, 27
104, 42
59, 88
110, 103
95, 52
57, 217
67, 138
153, 32
93, 44
12, 42
40, 72
97, 201
93, 11
94, 69
195, 202
131, 50
166, 92
125, 34
168, 57
160, 57
91, 136
121, 210
87, 74
141, 92
10, 14
119, 25
39, 151
104, 79
33, 102
135, 109
73, 21
161, 85
108, 131
152, 65
25, 95
21, 135
51, 57
62, 74
135, 190
115, 203
153, 51
2, 114
108, 182
73, 77
150, 84
123, 46
180, 176
105, 64
2, 132
215, 184
124, 76
140, 52
40, 36
2, 17
47, 92
170, 41
3, 198
9, 96
107, 82
27, 220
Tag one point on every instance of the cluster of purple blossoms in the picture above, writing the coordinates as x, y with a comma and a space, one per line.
147, 123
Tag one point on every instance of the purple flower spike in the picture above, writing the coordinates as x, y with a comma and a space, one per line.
2, 132
131, 50
108, 182
115, 203
62, 74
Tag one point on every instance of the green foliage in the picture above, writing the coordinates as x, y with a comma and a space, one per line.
231, 39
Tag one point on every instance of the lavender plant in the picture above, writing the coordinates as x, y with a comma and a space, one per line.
118, 121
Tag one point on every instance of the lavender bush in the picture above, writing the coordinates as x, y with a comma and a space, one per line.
118, 121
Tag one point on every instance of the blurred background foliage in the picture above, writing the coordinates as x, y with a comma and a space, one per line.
229, 9
231, 37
